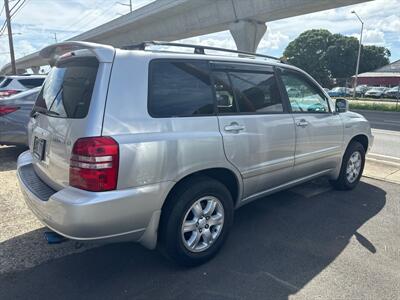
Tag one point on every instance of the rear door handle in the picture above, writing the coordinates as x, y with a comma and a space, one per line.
234, 127
302, 123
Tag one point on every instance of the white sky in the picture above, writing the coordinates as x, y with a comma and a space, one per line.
38, 21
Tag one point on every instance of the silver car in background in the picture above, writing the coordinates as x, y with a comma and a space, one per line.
161, 147
14, 84
14, 117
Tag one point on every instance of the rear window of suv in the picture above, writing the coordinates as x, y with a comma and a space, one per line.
5, 83
68, 88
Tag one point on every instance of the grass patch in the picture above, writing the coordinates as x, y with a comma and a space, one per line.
370, 105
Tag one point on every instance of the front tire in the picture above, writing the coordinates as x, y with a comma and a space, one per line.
352, 167
196, 221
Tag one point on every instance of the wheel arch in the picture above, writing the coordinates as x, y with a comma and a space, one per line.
362, 139
231, 179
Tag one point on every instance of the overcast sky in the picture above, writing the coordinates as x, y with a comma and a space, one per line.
38, 20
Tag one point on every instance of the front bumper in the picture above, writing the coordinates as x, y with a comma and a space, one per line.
82, 215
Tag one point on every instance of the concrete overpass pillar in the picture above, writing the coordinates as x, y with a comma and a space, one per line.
35, 69
247, 34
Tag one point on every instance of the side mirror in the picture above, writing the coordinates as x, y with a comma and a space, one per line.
342, 105
223, 101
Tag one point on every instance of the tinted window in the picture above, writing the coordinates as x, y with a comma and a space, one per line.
180, 89
256, 92
68, 88
303, 95
31, 82
5, 83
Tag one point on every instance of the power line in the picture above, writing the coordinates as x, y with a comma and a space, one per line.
84, 17
105, 11
18, 8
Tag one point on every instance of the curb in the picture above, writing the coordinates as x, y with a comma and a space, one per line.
384, 159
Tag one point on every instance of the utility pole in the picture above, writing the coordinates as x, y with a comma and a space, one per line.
359, 53
10, 37
55, 37
124, 4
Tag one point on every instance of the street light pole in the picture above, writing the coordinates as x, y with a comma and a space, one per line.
10, 37
359, 54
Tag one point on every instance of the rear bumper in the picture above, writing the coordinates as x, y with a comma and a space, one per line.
131, 214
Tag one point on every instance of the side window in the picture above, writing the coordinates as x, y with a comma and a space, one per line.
303, 95
256, 92
247, 92
32, 82
180, 89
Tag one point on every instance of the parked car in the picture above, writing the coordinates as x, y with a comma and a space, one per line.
361, 90
161, 147
339, 92
12, 85
392, 93
376, 92
14, 117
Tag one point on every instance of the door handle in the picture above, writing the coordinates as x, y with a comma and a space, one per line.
302, 123
234, 127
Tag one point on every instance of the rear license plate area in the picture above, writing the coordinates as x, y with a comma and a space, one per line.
39, 146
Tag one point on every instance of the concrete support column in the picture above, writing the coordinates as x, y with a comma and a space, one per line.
247, 34
35, 69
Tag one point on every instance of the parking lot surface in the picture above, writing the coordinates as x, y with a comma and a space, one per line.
310, 242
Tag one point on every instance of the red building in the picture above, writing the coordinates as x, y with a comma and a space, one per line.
388, 75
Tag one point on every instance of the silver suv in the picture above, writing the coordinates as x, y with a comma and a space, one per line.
161, 147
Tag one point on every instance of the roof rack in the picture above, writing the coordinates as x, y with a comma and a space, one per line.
198, 49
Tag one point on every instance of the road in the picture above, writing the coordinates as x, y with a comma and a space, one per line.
382, 119
310, 242
386, 130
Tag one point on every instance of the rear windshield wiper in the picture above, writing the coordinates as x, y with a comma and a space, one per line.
44, 111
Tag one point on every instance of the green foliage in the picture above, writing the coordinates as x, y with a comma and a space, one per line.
380, 106
326, 56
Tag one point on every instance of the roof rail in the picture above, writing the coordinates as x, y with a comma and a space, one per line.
198, 49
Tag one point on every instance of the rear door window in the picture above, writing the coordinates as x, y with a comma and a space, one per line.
180, 89
68, 88
247, 92
30, 83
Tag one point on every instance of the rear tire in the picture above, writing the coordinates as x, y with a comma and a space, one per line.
196, 221
352, 167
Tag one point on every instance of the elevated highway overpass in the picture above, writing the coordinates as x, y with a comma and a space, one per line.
171, 20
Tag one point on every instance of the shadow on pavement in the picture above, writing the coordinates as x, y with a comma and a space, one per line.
9, 156
277, 245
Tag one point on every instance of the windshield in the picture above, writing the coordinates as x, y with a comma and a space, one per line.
68, 88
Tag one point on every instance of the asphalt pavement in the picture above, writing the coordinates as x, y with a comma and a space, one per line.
310, 242
382, 119
386, 130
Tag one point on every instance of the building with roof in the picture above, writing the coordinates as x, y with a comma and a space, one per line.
388, 75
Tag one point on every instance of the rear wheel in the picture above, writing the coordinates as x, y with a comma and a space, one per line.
196, 221
352, 167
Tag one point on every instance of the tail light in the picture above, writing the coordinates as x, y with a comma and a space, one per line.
4, 110
94, 164
7, 93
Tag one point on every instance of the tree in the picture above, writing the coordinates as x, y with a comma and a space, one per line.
307, 53
373, 57
326, 56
